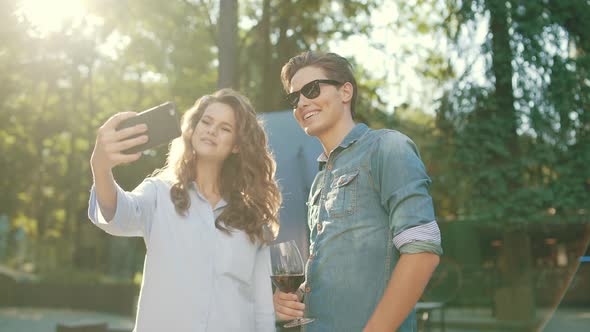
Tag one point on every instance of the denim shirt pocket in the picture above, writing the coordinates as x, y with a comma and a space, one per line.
342, 197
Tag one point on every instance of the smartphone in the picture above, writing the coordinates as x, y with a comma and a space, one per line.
163, 126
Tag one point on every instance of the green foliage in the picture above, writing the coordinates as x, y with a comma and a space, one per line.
518, 148
69, 276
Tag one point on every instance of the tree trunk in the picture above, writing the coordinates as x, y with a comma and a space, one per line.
73, 177
227, 44
269, 80
285, 47
514, 298
502, 69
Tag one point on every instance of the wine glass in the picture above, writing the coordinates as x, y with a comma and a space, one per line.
287, 272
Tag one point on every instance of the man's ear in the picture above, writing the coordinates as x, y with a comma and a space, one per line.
346, 91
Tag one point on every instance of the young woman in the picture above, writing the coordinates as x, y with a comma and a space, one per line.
206, 218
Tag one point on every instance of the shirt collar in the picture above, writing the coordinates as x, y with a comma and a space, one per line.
357, 132
222, 203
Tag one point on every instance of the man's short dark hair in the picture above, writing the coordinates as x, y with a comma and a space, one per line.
333, 65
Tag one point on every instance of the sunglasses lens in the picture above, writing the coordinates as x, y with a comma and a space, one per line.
293, 98
311, 90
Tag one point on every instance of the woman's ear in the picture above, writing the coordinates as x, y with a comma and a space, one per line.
346, 91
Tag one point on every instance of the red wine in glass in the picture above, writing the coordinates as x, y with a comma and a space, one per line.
288, 283
287, 272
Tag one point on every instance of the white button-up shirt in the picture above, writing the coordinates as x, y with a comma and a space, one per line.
196, 278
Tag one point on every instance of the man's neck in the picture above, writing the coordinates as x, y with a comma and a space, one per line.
336, 135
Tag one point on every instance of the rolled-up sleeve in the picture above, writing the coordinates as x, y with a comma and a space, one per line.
134, 212
264, 310
400, 176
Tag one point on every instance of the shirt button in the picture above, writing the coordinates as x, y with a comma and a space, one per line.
329, 167
319, 227
307, 289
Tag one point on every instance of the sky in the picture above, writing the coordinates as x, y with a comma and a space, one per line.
396, 53
48, 16
382, 56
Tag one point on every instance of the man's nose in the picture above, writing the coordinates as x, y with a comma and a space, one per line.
303, 102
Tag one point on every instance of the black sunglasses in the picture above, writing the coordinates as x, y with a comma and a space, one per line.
310, 90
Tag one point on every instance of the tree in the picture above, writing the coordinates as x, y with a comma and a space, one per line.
514, 135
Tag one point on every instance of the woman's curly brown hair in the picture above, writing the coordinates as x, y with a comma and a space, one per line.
247, 177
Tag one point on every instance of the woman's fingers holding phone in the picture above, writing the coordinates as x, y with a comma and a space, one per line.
107, 150
121, 146
108, 133
114, 121
122, 158
124, 133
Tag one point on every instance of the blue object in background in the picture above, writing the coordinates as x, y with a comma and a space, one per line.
296, 155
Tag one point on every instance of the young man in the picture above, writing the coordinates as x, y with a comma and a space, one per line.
374, 241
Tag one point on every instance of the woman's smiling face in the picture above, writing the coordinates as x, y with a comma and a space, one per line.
214, 136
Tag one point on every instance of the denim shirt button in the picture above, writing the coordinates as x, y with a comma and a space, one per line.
319, 227
329, 167
308, 289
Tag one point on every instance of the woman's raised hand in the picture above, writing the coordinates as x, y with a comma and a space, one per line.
110, 143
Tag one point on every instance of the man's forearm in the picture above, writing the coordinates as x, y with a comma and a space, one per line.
408, 280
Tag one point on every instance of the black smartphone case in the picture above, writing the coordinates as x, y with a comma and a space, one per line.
163, 126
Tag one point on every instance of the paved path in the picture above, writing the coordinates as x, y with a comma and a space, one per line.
481, 320
561, 320
45, 320
569, 319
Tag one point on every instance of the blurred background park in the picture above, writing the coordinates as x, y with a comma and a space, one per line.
495, 93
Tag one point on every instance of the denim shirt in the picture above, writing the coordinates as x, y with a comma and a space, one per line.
368, 204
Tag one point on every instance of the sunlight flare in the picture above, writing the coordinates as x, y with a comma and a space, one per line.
50, 16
